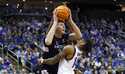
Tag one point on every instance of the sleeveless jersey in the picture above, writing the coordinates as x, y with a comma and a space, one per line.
68, 66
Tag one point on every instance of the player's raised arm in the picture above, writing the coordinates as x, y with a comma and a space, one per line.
51, 32
66, 53
73, 27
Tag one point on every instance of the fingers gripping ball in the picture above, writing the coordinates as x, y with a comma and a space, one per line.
62, 13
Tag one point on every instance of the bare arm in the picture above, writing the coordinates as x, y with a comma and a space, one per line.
50, 35
53, 60
73, 27
67, 51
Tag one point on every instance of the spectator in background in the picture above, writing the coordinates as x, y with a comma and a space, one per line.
88, 71
1, 65
27, 58
103, 70
34, 56
7, 66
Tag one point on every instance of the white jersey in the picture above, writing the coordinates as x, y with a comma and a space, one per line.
68, 66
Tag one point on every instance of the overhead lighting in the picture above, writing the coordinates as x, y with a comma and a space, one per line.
115, 0
45, 1
7, 4
46, 8
18, 5
24, 0
123, 8
51, 2
120, 5
20, 10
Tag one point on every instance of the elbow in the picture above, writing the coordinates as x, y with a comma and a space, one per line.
48, 42
79, 36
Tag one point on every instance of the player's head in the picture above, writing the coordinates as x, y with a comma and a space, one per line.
73, 39
60, 29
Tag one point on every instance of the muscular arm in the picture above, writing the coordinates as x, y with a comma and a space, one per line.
67, 52
73, 27
51, 32
50, 35
53, 60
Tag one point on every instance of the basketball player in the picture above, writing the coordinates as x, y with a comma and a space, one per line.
57, 36
67, 58
57, 25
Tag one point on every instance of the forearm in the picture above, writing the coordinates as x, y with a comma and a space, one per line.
74, 28
50, 35
51, 61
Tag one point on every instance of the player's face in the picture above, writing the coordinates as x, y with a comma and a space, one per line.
60, 28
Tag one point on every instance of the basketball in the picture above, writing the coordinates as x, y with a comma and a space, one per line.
62, 13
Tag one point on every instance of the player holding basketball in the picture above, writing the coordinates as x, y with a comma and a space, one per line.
68, 57
56, 36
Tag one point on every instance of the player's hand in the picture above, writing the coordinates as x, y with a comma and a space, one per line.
70, 16
55, 15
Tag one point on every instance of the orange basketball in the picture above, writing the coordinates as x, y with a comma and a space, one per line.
62, 13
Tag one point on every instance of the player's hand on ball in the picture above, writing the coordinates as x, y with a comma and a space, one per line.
70, 16
55, 15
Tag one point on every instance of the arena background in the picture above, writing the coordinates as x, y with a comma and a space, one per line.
24, 23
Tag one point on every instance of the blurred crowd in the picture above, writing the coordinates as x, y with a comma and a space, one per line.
22, 40
21, 43
108, 50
